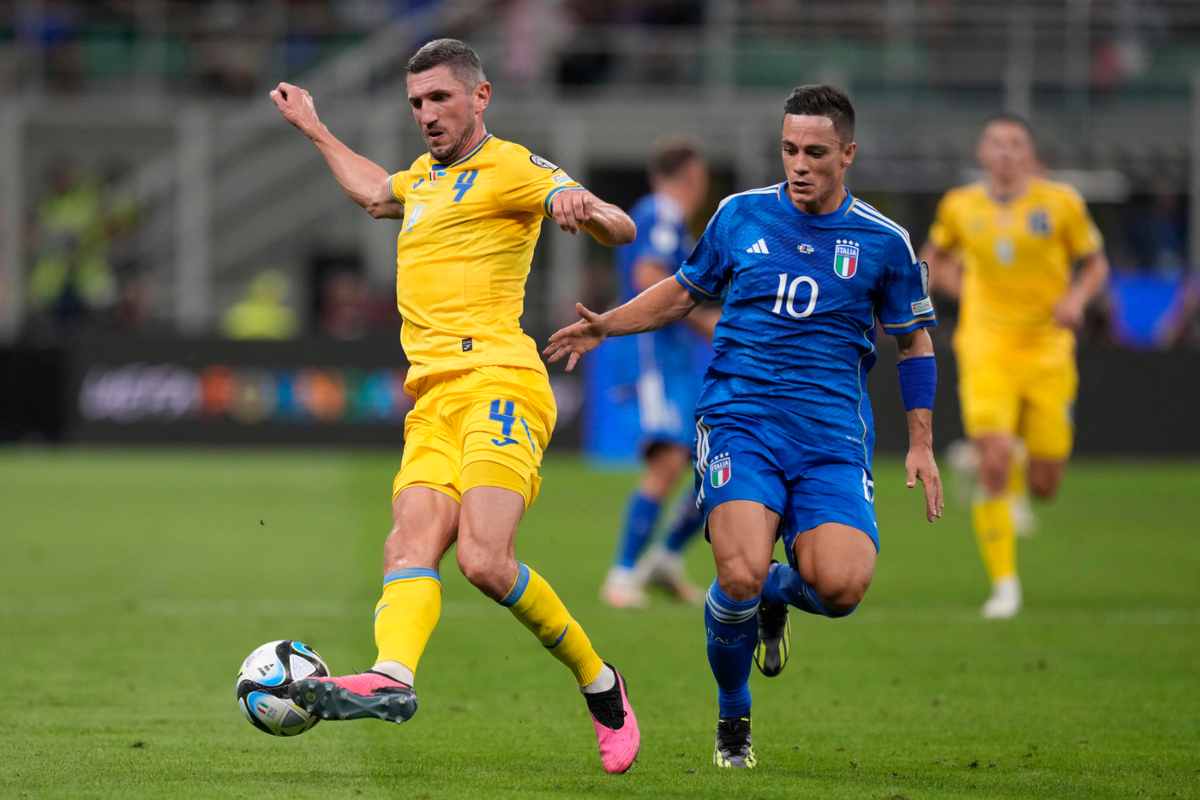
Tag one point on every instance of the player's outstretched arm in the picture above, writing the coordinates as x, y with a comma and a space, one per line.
918, 380
648, 271
367, 183
578, 209
661, 304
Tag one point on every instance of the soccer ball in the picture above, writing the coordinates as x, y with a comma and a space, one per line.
263, 681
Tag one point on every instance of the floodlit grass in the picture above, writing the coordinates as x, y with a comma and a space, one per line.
132, 585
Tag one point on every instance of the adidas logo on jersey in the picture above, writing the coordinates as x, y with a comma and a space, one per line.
759, 247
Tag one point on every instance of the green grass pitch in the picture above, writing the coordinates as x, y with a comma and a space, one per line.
132, 585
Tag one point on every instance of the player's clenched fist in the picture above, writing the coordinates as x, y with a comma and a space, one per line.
296, 106
573, 208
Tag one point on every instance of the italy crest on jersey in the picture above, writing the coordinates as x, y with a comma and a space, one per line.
845, 258
720, 470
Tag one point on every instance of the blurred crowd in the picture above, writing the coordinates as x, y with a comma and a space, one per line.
224, 47
229, 47
83, 265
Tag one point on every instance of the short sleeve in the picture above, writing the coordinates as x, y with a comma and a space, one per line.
904, 303
400, 182
705, 273
943, 232
530, 183
1082, 237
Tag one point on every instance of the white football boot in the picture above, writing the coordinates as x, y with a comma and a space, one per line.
622, 589
1005, 601
663, 568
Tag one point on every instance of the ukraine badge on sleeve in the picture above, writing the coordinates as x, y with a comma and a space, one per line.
845, 258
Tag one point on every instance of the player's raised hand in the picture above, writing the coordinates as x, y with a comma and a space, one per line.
577, 338
573, 208
296, 106
920, 465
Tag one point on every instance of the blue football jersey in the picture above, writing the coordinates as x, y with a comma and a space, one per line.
802, 294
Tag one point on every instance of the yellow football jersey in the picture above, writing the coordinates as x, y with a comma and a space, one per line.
1017, 259
463, 254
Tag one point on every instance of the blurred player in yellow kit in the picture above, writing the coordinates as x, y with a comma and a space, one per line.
472, 209
1005, 247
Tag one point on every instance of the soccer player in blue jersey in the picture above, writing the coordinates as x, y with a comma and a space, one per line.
670, 367
805, 271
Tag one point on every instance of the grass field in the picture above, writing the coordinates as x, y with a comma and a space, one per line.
132, 585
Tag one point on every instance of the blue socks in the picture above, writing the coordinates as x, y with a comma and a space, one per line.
784, 585
732, 630
686, 525
640, 519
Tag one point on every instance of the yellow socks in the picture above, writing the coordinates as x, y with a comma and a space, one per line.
1015, 487
533, 601
996, 536
406, 615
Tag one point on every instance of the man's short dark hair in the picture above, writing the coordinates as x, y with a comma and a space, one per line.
459, 56
671, 154
1012, 118
823, 101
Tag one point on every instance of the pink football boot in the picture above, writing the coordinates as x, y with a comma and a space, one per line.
616, 726
367, 695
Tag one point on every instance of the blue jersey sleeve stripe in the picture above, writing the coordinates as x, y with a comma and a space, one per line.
691, 287
554, 191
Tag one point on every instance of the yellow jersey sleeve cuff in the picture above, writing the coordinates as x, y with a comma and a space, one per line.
554, 191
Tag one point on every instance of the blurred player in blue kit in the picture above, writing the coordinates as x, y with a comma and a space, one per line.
670, 368
805, 271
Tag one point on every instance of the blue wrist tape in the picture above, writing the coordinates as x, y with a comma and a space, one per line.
918, 381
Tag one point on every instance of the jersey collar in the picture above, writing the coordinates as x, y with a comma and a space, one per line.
781, 194
465, 156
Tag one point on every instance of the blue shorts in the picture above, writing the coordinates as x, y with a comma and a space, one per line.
738, 460
666, 404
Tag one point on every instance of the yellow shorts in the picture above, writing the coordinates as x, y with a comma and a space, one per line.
1022, 396
487, 426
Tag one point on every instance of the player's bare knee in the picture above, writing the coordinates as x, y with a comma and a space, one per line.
1044, 480
411, 547
490, 573
842, 590
742, 581
993, 473
995, 457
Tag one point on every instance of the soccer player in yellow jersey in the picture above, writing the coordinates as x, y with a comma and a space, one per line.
1005, 247
472, 209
